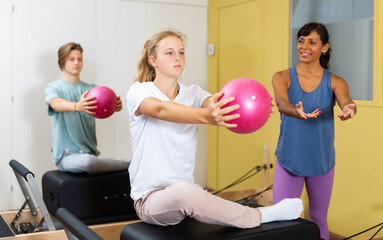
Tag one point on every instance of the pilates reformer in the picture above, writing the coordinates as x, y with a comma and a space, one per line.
187, 229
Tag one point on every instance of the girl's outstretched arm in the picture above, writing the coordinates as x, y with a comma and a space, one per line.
211, 112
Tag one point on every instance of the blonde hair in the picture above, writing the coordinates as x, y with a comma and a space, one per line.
64, 52
145, 71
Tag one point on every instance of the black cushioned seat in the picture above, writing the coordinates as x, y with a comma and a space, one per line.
190, 229
93, 199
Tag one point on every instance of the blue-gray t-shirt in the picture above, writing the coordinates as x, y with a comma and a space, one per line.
71, 130
306, 147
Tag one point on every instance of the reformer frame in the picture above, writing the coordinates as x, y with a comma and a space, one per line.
23, 176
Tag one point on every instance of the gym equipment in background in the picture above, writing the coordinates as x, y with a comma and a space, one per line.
23, 175
74, 228
92, 198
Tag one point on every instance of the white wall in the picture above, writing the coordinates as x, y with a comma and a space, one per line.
6, 102
112, 33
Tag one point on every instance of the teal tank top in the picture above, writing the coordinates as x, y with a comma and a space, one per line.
306, 146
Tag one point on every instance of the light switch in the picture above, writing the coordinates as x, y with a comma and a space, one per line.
210, 50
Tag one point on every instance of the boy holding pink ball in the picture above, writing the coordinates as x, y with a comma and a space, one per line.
73, 125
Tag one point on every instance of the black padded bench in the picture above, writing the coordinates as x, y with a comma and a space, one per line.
190, 229
93, 199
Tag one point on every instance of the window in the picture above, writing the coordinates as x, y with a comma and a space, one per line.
350, 24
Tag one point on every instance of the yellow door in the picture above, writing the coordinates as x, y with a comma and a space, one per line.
239, 55
237, 29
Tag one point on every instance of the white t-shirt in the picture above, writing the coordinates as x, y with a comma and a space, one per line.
163, 151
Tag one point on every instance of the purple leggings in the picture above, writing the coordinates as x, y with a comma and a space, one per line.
319, 188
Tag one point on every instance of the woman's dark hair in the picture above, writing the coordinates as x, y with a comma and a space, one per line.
324, 37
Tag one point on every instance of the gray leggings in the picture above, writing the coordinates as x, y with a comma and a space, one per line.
75, 162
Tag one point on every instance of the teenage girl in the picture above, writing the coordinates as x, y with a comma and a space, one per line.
163, 118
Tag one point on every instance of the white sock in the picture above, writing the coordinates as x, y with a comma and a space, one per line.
287, 209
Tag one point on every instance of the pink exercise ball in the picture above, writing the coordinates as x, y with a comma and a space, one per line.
254, 101
106, 101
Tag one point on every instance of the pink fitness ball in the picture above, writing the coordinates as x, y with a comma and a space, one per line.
254, 101
106, 101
